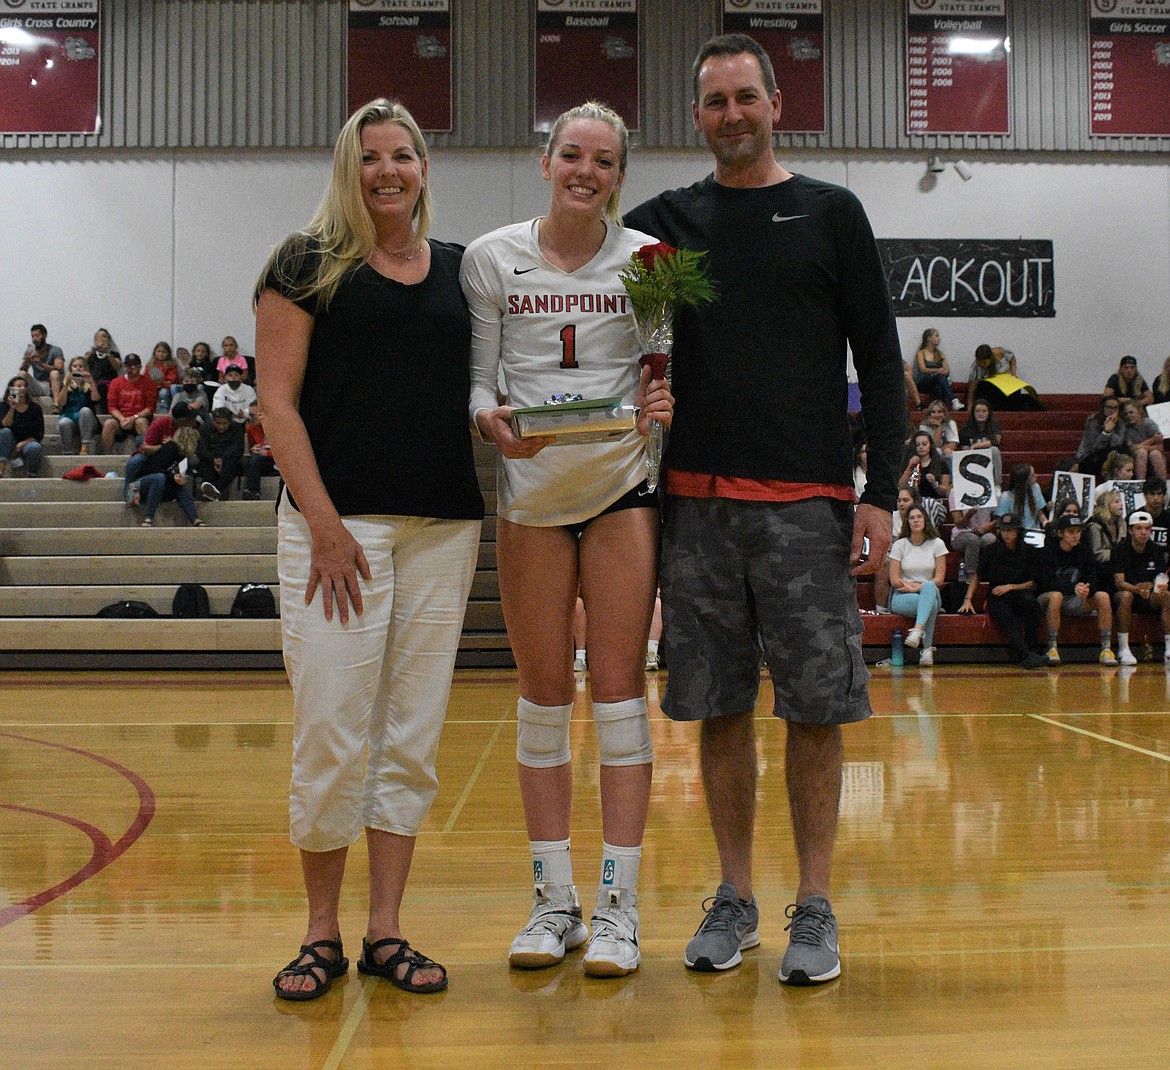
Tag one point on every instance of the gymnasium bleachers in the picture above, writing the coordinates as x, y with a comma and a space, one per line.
67, 549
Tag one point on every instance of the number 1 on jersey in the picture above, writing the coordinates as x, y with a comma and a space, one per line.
569, 346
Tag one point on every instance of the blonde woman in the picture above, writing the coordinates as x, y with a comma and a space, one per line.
78, 397
378, 532
932, 372
164, 477
944, 434
1104, 530
572, 517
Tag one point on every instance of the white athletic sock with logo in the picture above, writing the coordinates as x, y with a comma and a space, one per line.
1123, 642
551, 862
619, 870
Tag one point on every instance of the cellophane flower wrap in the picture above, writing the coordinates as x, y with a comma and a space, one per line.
660, 280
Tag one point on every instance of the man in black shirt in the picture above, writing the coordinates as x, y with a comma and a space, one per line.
1139, 579
1068, 585
1154, 490
1007, 566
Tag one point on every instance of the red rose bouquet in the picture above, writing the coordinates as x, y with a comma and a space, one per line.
659, 280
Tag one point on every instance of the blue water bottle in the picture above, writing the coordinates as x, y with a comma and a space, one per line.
897, 649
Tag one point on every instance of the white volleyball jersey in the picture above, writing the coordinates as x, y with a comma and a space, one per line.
539, 331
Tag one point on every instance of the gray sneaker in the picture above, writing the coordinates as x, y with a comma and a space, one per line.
812, 955
554, 927
731, 926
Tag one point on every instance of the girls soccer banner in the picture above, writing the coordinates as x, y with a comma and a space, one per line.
792, 32
957, 67
585, 50
1129, 68
50, 53
401, 49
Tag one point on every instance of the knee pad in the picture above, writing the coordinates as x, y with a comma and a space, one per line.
623, 732
542, 734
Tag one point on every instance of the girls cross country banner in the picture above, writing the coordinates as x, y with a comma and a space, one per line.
1129, 68
957, 67
585, 50
50, 53
401, 49
792, 32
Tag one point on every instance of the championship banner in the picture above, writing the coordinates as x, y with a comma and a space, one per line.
1079, 486
974, 484
50, 58
1129, 68
957, 67
985, 277
585, 50
401, 50
792, 32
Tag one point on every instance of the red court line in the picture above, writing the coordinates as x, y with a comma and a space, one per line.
104, 852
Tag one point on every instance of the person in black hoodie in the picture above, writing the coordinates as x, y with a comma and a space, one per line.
1067, 574
1008, 566
221, 447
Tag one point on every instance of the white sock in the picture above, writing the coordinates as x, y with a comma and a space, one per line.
652, 646
619, 870
551, 862
1123, 640
579, 655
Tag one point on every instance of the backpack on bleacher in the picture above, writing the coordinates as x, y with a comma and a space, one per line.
191, 601
132, 609
254, 600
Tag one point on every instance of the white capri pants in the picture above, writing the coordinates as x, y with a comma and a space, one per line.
379, 684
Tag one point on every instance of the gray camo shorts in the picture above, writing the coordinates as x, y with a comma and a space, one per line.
738, 576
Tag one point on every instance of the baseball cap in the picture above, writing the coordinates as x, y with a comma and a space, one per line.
1063, 523
1129, 360
132, 358
1009, 520
1140, 517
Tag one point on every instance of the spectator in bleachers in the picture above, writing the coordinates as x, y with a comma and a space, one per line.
918, 565
258, 461
994, 377
44, 363
1068, 585
973, 529
232, 358
932, 373
190, 390
881, 579
163, 479
1139, 579
1066, 506
204, 360
1103, 531
1154, 490
104, 362
1127, 382
937, 423
1142, 440
164, 371
22, 426
131, 400
1102, 435
1118, 466
161, 430
927, 474
1161, 387
79, 399
234, 394
1008, 568
221, 449
982, 432
1024, 499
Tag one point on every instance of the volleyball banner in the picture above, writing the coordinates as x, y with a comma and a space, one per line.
401, 50
957, 67
50, 58
585, 50
1129, 68
792, 32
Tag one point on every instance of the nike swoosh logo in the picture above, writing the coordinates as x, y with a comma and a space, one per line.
517, 271
785, 218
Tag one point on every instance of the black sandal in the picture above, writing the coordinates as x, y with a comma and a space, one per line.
332, 968
404, 955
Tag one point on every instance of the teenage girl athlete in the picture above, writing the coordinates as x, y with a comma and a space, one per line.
549, 311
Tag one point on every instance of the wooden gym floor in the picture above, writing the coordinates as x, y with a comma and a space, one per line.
1002, 883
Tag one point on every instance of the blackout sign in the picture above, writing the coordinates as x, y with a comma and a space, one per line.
957, 67
969, 277
1129, 67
